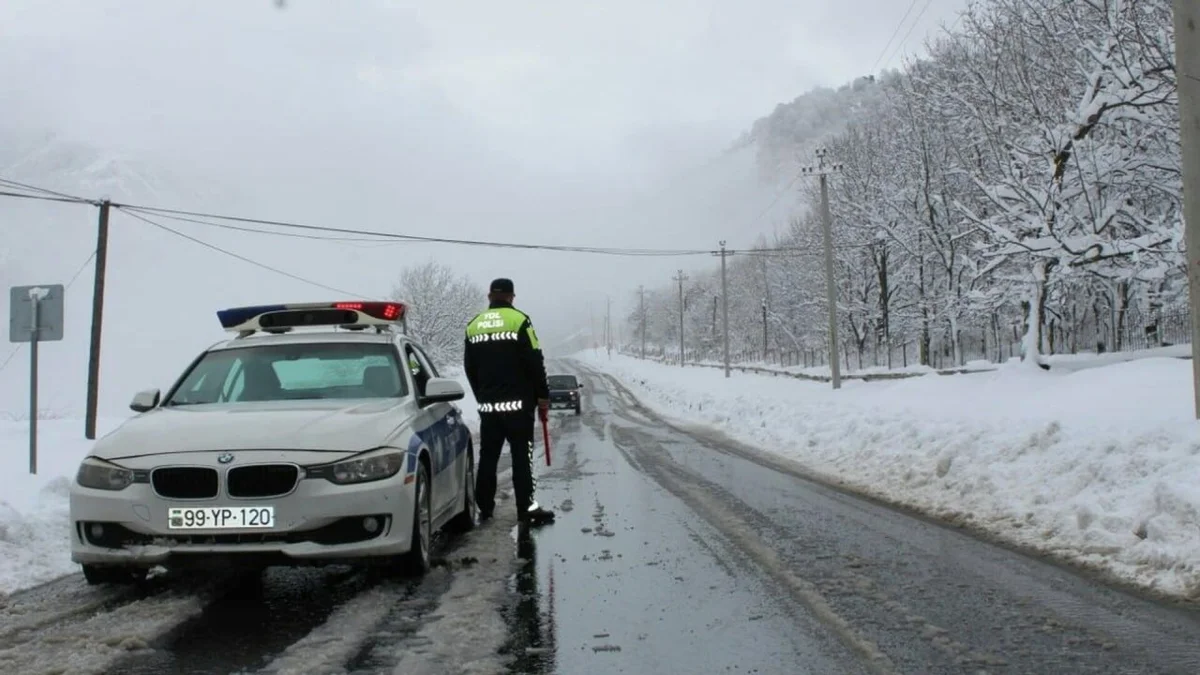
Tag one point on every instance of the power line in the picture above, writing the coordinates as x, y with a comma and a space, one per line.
44, 198
244, 259
237, 228
785, 190
419, 238
373, 234
386, 237
34, 188
362, 235
910, 30
894, 34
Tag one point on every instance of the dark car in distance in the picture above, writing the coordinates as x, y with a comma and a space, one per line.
564, 392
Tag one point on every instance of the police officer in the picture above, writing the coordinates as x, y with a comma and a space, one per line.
504, 366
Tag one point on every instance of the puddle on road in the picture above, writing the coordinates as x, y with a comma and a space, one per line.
531, 625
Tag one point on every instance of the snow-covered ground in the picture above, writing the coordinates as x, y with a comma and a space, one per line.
34, 524
1061, 362
34, 528
1099, 465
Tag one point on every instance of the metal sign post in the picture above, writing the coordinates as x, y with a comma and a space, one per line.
35, 315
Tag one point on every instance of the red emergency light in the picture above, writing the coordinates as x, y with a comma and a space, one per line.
285, 317
388, 311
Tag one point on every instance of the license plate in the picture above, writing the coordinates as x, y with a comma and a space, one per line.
221, 518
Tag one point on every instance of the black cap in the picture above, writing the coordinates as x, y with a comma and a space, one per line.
502, 286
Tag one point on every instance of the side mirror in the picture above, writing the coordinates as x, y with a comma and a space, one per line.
581, 385
145, 400
442, 390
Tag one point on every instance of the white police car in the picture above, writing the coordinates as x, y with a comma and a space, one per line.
281, 446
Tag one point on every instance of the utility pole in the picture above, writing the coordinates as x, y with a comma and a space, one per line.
725, 302
681, 278
608, 325
823, 170
766, 302
1187, 63
642, 296
764, 313
93, 381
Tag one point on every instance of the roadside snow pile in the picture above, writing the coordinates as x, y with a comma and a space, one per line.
1099, 466
34, 531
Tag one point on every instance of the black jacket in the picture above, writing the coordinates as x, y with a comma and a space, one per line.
503, 360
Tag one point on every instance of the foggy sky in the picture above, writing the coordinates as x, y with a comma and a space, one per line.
597, 124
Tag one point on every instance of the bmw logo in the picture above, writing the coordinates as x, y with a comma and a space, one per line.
225, 458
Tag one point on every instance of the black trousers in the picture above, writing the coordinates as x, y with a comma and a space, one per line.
494, 429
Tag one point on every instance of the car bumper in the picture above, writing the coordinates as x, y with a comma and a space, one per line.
319, 522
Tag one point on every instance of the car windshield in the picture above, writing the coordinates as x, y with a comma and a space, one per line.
288, 372
562, 382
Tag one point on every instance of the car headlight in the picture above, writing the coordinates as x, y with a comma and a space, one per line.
101, 475
375, 467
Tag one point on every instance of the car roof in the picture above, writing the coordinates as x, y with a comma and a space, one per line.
308, 337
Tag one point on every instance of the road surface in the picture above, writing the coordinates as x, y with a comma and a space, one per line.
676, 551
685, 552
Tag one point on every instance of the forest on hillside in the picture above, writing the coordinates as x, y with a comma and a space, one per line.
1016, 191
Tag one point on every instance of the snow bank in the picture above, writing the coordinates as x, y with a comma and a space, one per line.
34, 530
1098, 466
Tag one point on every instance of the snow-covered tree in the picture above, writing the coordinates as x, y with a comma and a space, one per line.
1016, 192
440, 303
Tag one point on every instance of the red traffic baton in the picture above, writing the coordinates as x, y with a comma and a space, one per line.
545, 434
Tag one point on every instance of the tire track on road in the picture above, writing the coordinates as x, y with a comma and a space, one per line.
62, 599
89, 643
690, 489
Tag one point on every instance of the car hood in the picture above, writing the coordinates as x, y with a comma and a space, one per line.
319, 426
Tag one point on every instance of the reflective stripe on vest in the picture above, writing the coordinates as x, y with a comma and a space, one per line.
501, 406
489, 337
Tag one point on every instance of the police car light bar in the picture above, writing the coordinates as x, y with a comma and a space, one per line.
286, 317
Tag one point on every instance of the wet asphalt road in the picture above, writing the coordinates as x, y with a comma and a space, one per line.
680, 552
676, 551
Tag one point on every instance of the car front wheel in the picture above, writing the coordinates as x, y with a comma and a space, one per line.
416, 561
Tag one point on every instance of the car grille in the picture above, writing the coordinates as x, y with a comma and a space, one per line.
184, 482
261, 480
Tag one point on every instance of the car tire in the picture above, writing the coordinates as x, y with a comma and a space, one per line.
97, 575
416, 561
467, 518
578, 410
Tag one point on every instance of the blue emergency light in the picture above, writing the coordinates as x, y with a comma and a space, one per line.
286, 317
